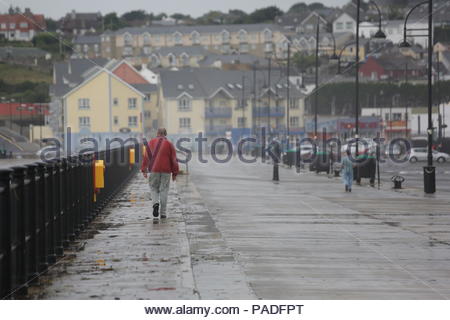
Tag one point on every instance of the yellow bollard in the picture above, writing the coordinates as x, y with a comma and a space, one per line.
99, 176
132, 156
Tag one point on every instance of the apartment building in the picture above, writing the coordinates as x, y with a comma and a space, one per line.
100, 98
138, 44
221, 103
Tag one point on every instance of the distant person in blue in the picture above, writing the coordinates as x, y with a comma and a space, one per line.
347, 171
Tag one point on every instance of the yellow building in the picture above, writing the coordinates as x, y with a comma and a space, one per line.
221, 103
103, 106
138, 44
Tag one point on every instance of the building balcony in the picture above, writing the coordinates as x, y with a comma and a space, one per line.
261, 112
218, 112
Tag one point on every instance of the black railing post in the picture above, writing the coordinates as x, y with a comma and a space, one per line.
59, 209
65, 202
41, 217
49, 185
5, 240
17, 232
71, 199
32, 229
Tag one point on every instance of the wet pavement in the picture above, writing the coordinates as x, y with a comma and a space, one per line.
125, 255
234, 234
305, 238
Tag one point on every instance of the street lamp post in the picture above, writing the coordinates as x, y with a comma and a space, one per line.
429, 172
268, 97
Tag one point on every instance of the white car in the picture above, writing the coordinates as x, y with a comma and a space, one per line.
421, 154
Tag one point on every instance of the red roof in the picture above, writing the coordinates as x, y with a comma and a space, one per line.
33, 21
129, 74
26, 109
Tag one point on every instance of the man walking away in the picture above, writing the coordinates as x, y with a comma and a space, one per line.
160, 160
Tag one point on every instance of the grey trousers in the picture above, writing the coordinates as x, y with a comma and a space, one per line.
159, 189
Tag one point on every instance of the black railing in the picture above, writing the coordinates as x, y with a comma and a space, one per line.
45, 206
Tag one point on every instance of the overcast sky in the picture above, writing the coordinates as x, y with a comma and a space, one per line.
58, 8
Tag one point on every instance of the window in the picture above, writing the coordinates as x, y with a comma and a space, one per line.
396, 116
242, 122
3, 25
116, 120
177, 38
195, 37
132, 103
128, 39
146, 39
225, 36
267, 35
339, 26
83, 104
225, 48
96, 48
147, 50
185, 123
294, 122
147, 114
116, 102
349, 25
184, 104
127, 51
148, 97
85, 48
12, 25
268, 47
132, 122
172, 60
184, 60
24, 25
242, 36
293, 103
84, 121
243, 47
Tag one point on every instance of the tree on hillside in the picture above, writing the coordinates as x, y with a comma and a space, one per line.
112, 21
267, 14
316, 6
135, 15
236, 16
298, 7
50, 42
180, 16
212, 17
52, 25
160, 16
303, 62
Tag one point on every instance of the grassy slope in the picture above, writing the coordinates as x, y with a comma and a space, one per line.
15, 74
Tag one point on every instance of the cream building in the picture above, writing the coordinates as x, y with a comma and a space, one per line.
138, 44
221, 103
99, 99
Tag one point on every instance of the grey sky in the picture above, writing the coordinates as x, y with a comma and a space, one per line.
58, 8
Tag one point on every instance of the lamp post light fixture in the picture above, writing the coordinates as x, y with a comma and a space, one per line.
429, 172
379, 35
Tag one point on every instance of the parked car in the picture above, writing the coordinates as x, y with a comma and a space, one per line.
421, 154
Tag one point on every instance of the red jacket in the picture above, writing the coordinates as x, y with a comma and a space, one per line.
166, 159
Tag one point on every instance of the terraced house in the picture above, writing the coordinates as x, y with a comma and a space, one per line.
222, 103
100, 99
138, 44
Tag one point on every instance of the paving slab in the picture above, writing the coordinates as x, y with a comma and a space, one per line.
305, 238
